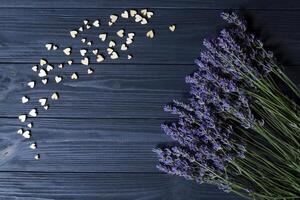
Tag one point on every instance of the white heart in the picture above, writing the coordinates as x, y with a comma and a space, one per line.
100, 58
31, 84
43, 101
80, 29
129, 41
34, 68
125, 14
131, 35
113, 18
87, 26
89, 43
49, 68
133, 13
149, 14
83, 52
73, 34
44, 81
102, 36
54, 96
46, 107
22, 118
144, 12
74, 76
37, 156
129, 57
172, 27
150, 34
61, 66
96, 23
90, 71
43, 62
109, 50
85, 61
85, 22
42, 73
111, 44
25, 99
124, 47
83, 40
33, 113
95, 51
121, 32
70, 62
67, 51
138, 18
55, 47
58, 79
20, 131
110, 23
30, 125
33, 146
114, 55
27, 134
48, 46
144, 21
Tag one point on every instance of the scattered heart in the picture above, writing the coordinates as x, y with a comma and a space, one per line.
42, 73
87, 26
34, 68
100, 58
85, 61
73, 34
45, 81
95, 51
149, 14
83, 40
133, 13
172, 27
114, 55
49, 68
43, 62
70, 62
138, 18
33, 112
89, 43
22, 118
80, 29
37, 156
128, 41
67, 51
90, 71
112, 44
124, 47
54, 96
48, 46
83, 52
20, 131
121, 32
31, 84
27, 134
85, 22
25, 99
113, 18
74, 76
150, 34
46, 107
144, 12
144, 21
129, 57
30, 125
61, 66
96, 23
109, 51
58, 79
43, 101
102, 36
125, 14
131, 35
33, 146
110, 23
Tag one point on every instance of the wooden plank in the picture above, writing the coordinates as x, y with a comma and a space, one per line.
82, 145
90, 186
25, 31
113, 91
203, 4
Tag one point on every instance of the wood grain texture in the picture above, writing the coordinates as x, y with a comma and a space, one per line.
25, 32
179, 4
82, 145
113, 91
92, 186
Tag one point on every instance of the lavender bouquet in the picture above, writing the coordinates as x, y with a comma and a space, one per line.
238, 130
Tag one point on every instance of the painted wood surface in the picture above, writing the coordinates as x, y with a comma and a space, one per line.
96, 142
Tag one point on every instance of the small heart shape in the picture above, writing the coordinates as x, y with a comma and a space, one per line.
89, 43
73, 33
25, 99
95, 51
83, 52
150, 34
83, 40
33, 146
144, 21
34, 68
22, 118
100, 58
109, 51
133, 13
85, 61
49, 68
125, 14
113, 18
87, 26
37, 156
144, 12
124, 47
74, 76
67, 51
112, 44
102, 36
33, 113
30, 125
43, 101
131, 35
43, 62
149, 14
58, 79
54, 96
26, 134
128, 41
121, 32
138, 18
129, 57
48, 46
45, 81
80, 29
70, 62
20, 131
31, 84
114, 55
172, 27
90, 71
85, 22
46, 107
61, 66
96, 23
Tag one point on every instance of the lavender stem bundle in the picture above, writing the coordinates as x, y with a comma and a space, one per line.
238, 130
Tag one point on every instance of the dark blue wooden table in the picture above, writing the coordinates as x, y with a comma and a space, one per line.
96, 142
